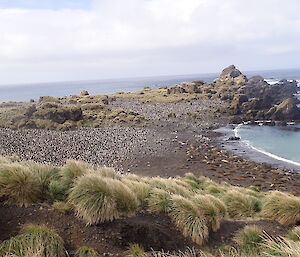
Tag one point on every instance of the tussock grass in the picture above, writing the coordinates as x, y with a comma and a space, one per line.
170, 185
85, 251
241, 205
57, 190
159, 201
62, 207
195, 182
19, 184
282, 207
280, 247
294, 234
136, 250
219, 204
189, 219
212, 209
107, 172
73, 169
34, 241
97, 199
141, 189
44, 173
249, 238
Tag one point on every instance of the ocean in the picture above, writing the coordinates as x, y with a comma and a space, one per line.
278, 143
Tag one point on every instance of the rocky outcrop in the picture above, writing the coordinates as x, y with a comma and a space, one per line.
54, 112
84, 92
232, 76
287, 110
186, 87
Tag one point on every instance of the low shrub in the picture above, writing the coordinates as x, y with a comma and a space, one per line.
282, 207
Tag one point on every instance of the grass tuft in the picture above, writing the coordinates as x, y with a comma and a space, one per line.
73, 169
97, 199
212, 209
85, 251
189, 219
34, 241
282, 207
241, 205
136, 250
62, 207
19, 185
159, 201
249, 238
141, 189
294, 234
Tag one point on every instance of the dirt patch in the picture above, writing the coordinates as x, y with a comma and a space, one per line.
229, 228
150, 231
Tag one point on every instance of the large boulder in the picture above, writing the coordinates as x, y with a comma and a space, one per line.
287, 110
231, 75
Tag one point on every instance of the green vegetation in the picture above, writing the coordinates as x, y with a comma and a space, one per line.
250, 238
36, 241
282, 207
86, 252
66, 113
98, 199
196, 206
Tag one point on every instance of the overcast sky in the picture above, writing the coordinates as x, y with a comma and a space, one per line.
56, 40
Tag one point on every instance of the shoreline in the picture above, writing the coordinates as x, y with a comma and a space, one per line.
249, 152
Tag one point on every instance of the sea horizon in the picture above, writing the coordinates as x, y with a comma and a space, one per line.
27, 91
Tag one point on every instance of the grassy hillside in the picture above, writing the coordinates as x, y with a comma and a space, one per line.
196, 205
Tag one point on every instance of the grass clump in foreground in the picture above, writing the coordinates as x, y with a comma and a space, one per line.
85, 251
34, 241
196, 205
282, 207
98, 199
189, 219
19, 184
250, 238
240, 204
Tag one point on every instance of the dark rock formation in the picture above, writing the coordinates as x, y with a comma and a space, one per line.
287, 110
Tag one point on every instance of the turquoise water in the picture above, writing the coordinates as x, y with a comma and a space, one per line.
281, 143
